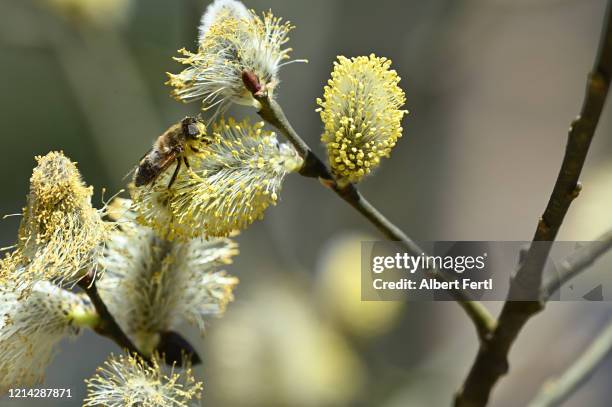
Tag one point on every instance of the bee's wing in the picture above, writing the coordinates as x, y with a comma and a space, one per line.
139, 170
166, 162
145, 154
151, 166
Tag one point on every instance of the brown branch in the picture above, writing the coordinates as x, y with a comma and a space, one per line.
576, 263
492, 360
108, 326
313, 167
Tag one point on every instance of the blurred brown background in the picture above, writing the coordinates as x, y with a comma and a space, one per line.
491, 86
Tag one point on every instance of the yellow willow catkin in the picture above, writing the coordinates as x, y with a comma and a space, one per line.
361, 112
32, 326
236, 182
103, 13
61, 235
153, 285
233, 40
128, 381
228, 187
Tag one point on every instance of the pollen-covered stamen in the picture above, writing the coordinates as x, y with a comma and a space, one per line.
238, 179
239, 56
128, 381
61, 234
32, 324
154, 285
221, 9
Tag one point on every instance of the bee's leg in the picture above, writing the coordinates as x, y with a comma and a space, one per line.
193, 174
178, 167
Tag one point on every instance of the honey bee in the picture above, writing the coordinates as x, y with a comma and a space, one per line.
175, 144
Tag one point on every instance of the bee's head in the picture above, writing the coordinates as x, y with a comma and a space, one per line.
193, 128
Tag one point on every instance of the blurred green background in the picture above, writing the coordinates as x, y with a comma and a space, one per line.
491, 87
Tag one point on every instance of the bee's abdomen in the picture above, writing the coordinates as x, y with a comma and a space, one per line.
145, 173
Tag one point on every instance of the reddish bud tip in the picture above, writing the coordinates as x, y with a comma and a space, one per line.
251, 82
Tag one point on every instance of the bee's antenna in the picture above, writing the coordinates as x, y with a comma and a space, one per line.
130, 172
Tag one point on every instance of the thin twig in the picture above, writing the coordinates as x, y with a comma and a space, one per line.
477, 312
273, 113
492, 359
313, 167
557, 390
108, 326
576, 263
